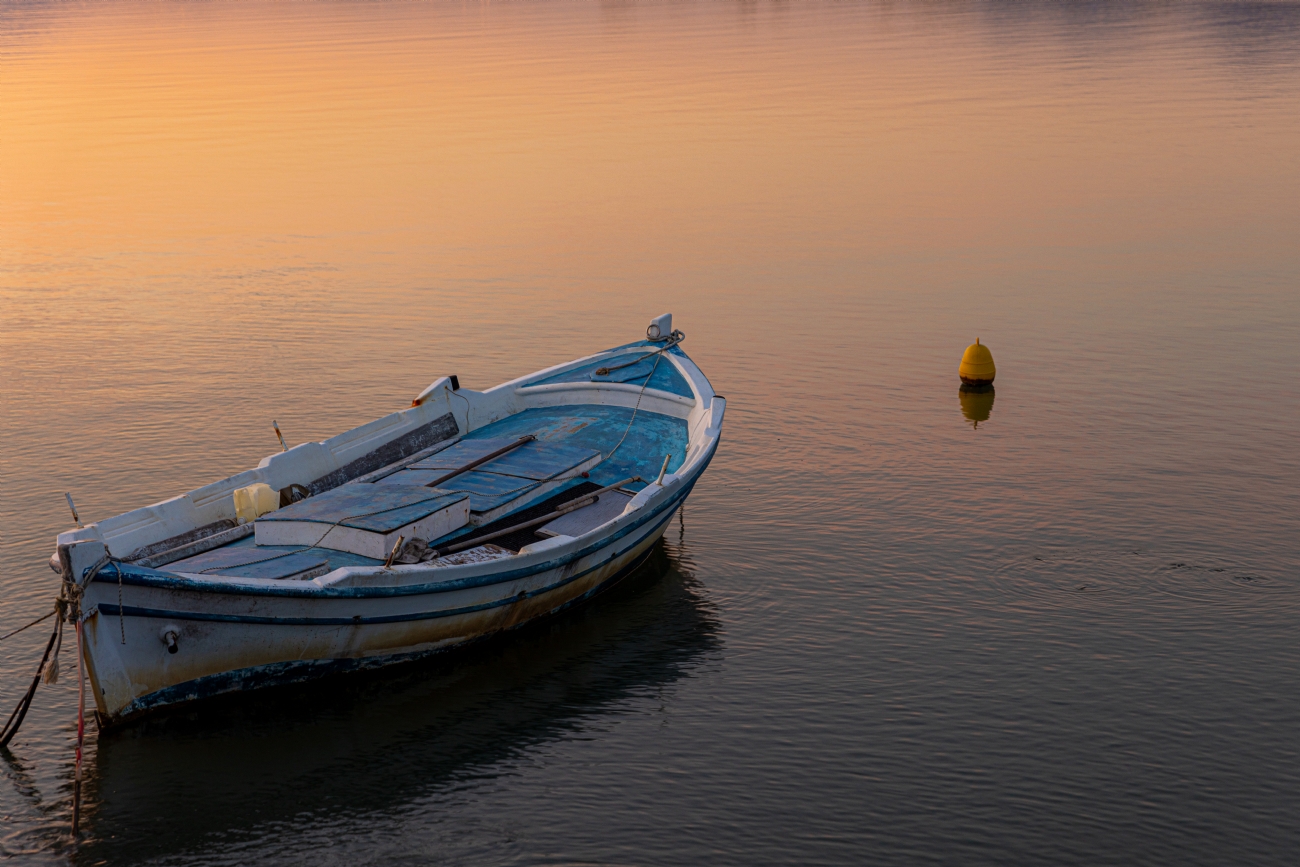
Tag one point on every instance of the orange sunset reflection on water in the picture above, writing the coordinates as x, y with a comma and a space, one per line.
305, 211
539, 139
217, 214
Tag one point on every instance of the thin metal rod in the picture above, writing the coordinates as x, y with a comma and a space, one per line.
283, 445
73, 508
388, 564
481, 461
662, 470
584, 500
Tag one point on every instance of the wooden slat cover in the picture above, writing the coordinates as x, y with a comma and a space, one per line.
352, 505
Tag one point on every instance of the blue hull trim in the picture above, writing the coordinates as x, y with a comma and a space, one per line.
300, 671
142, 577
111, 610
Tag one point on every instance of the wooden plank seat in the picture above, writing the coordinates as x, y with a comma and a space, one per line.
365, 519
252, 562
499, 486
607, 507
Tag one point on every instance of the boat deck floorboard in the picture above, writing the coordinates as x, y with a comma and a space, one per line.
565, 434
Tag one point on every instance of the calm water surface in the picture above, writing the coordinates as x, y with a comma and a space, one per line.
882, 633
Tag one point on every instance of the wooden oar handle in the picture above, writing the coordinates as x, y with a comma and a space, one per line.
563, 510
483, 460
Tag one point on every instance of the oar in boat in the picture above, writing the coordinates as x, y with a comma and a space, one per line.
483, 460
584, 500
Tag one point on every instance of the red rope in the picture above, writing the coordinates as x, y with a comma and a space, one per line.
81, 734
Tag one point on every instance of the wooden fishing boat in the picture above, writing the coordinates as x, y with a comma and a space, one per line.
462, 516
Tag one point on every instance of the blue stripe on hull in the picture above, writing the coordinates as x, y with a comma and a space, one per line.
112, 610
141, 577
299, 671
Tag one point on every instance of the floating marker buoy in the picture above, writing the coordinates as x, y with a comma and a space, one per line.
977, 365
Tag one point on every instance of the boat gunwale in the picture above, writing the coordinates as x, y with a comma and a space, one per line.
137, 576
152, 513
564, 367
668, 397
110, 609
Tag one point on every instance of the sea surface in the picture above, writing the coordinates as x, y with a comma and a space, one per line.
895, 624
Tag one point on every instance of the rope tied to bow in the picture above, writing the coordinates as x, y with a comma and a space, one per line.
15, 720
673, 339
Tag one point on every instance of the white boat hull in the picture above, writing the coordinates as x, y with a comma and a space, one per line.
154, 638
233, 642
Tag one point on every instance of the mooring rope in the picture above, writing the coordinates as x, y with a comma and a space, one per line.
20, 711
673, 339
627, 430
45, 616
81, 732
468, 407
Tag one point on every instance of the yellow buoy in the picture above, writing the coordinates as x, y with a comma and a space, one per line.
977, 365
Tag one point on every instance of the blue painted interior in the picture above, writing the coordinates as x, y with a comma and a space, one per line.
665, 376
567, 435
462, 453
243, 562
337, 558
502, 479
486, 490
599, 427
377, 508
538, 460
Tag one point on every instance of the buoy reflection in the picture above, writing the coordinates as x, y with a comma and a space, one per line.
976, 402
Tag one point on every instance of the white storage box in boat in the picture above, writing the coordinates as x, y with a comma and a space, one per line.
365, 519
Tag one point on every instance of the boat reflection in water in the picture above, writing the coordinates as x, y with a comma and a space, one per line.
976, 402
382, 740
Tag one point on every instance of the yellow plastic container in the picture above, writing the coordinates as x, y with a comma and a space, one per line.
977, 365
254, 501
